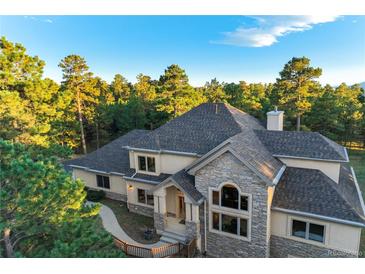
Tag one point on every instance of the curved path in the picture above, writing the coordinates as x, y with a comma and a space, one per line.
111, 225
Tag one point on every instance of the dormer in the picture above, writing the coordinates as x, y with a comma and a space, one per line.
156, 162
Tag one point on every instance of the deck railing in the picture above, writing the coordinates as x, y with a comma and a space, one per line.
143, 252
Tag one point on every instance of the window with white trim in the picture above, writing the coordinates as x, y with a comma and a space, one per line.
229, 196
307, 230
230, 211
144, 198
146, 163
230, 224
103, 181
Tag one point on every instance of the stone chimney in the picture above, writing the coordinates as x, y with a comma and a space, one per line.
275, 120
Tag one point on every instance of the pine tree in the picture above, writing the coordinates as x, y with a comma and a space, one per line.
79, 84
295, 87
175, 95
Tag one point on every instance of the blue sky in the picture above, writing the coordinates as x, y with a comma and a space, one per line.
230, 48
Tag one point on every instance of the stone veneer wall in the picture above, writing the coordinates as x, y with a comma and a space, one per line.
192, 230
282, 247
159, 221
139, 209
224, 169
116, 196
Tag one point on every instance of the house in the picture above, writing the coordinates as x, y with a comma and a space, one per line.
217, 175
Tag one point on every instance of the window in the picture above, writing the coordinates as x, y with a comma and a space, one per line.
215, 221
244, 202
299, 228
144, 198
142, 163
141, 196
316, 233
229, 196
146, 164
151, 164
243, 227
215, 197
308, 231
150, 199
102, 181
230, 211
230, 224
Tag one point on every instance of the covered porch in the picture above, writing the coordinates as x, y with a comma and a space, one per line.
175, 212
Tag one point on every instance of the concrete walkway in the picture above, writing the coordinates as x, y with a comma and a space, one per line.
111, 225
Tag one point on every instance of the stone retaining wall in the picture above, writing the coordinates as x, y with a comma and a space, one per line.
139, 209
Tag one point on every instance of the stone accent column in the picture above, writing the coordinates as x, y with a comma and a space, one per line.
160, 212
192, 221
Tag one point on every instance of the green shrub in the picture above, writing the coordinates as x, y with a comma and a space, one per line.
94, 195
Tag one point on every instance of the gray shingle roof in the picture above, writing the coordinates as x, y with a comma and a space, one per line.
311, 191
140, 177
111, 157
187, 184
301, 144
197, 131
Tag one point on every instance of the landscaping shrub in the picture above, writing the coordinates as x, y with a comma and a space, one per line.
94, 195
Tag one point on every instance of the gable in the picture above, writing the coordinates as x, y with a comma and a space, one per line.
228, 167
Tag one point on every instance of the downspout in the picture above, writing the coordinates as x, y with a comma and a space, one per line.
205, 226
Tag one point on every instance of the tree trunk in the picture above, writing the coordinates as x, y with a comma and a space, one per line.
9, 252
298, 122
81, 124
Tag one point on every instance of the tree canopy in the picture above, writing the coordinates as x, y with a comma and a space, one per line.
43, 209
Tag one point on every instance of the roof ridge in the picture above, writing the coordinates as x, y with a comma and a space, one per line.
333, 144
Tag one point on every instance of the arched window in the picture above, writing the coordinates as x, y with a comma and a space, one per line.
229, 196
230, 211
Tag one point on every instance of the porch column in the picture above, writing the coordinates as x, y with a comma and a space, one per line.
192, 221
160, 213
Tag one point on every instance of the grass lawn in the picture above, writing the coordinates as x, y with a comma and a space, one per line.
133, 224
357, 161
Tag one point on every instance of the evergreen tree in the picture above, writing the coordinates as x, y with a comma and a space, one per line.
176, 96
79, 85
214, 92
121, 88
36, 196
295, 87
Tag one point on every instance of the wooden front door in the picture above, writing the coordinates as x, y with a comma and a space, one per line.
181, 207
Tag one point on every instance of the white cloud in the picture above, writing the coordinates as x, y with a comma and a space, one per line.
47, 20
269, 28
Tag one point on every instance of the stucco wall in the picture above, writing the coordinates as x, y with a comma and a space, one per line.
337, 236
117, 183
331, 169
133, 192
165, 163
171, 164
227, 168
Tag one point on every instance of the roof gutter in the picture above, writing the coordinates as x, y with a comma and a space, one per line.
96, 171
309, 158
162, 151
358, 191
325, 218
141, 180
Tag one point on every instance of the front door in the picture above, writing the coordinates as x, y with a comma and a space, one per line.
181, 207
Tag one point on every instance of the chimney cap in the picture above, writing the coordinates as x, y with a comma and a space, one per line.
275, 112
